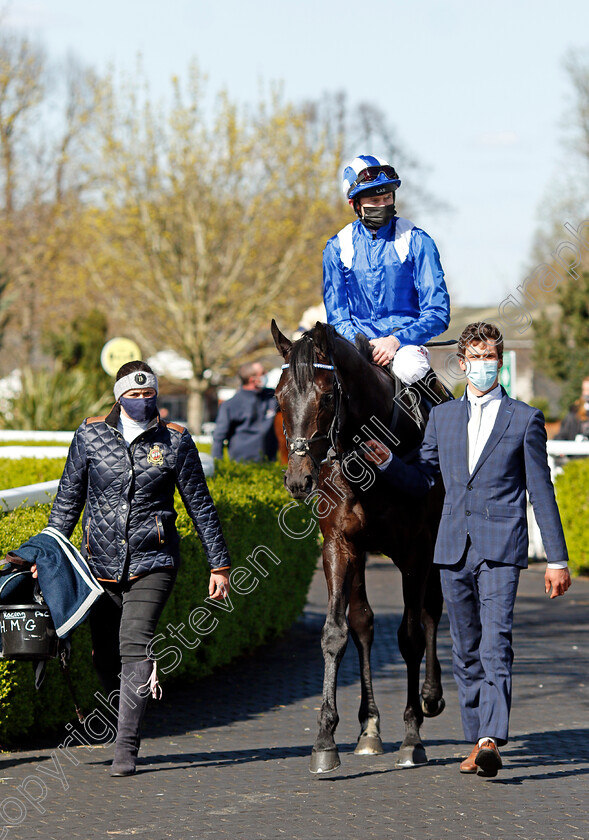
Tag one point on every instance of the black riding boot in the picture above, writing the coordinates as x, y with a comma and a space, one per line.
135, 691
109, 675
431, 390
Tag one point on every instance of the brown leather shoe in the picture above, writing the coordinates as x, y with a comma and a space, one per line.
468, 765
488, 759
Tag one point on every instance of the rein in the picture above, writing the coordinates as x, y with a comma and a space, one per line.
301, 446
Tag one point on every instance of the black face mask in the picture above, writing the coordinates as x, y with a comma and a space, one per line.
141, 409
377, 217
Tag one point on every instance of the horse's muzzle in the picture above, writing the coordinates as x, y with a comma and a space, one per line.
299, 478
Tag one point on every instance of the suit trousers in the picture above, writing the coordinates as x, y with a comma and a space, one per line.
480, 597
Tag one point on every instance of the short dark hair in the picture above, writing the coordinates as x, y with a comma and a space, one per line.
246, 371
480, 332
132, 367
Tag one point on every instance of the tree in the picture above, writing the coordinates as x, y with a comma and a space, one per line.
560, 346
567, 195
214, 222
188, 223
577, 67
561, 342
78, 348
43, 117
364, 128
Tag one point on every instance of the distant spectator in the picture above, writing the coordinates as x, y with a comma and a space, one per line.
576, 424
246, 421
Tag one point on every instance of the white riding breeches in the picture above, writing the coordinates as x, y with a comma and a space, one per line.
411, 363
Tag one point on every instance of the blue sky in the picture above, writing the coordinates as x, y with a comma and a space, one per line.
475, 90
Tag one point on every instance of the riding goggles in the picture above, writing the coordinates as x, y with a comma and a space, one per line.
371, 173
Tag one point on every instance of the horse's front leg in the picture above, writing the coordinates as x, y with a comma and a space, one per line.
361, 621
412, 646
334, 640
432, 700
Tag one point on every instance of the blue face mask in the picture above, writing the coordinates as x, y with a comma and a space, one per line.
141, 409
482, 374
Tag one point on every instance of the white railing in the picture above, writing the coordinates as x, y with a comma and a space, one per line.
28, 495
45, 491
33, 451
24, 434
62, 437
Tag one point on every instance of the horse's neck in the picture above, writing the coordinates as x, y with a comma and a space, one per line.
370, 390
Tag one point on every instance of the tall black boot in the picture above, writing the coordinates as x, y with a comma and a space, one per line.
135, 692
109, 674
432, 391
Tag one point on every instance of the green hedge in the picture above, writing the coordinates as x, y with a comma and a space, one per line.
249, 498
23, 471
572, 490
33, 443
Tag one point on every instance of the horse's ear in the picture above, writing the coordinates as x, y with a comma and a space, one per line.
283, 344
324, 338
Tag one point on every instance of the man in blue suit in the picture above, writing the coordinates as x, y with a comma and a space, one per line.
489, 449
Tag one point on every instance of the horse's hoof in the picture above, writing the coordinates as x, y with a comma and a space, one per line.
322, 761
411, 756
433, 708
369, 745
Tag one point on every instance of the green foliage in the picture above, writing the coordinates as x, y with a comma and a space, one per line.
560, 346
249, 498
543, 405
54, 401
19, 473
572, 490
32, 442
78, 346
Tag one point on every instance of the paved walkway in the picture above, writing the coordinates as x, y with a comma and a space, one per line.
229, 759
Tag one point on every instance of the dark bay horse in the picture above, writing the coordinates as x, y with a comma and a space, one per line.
332, 399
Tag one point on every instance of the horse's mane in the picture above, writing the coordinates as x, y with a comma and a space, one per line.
303, 352
363, 347
322, 343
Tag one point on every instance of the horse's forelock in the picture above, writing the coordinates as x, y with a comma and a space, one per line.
301, 360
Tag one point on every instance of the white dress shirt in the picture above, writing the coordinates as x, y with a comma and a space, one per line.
477, 437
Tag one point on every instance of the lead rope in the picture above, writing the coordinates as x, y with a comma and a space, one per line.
153, 684
65, 670
334, 429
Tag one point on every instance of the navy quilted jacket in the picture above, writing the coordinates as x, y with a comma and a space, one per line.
127, 493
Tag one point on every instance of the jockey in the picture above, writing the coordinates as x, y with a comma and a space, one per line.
382, 276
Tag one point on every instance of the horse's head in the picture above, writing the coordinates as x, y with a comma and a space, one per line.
308, 396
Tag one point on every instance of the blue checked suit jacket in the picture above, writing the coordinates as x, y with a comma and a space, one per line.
489, 504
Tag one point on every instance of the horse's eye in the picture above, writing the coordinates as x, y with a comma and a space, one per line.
327, 398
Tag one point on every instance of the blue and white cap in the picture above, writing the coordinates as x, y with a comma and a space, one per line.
368, 172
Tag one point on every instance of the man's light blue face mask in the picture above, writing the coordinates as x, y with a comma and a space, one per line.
482, 373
